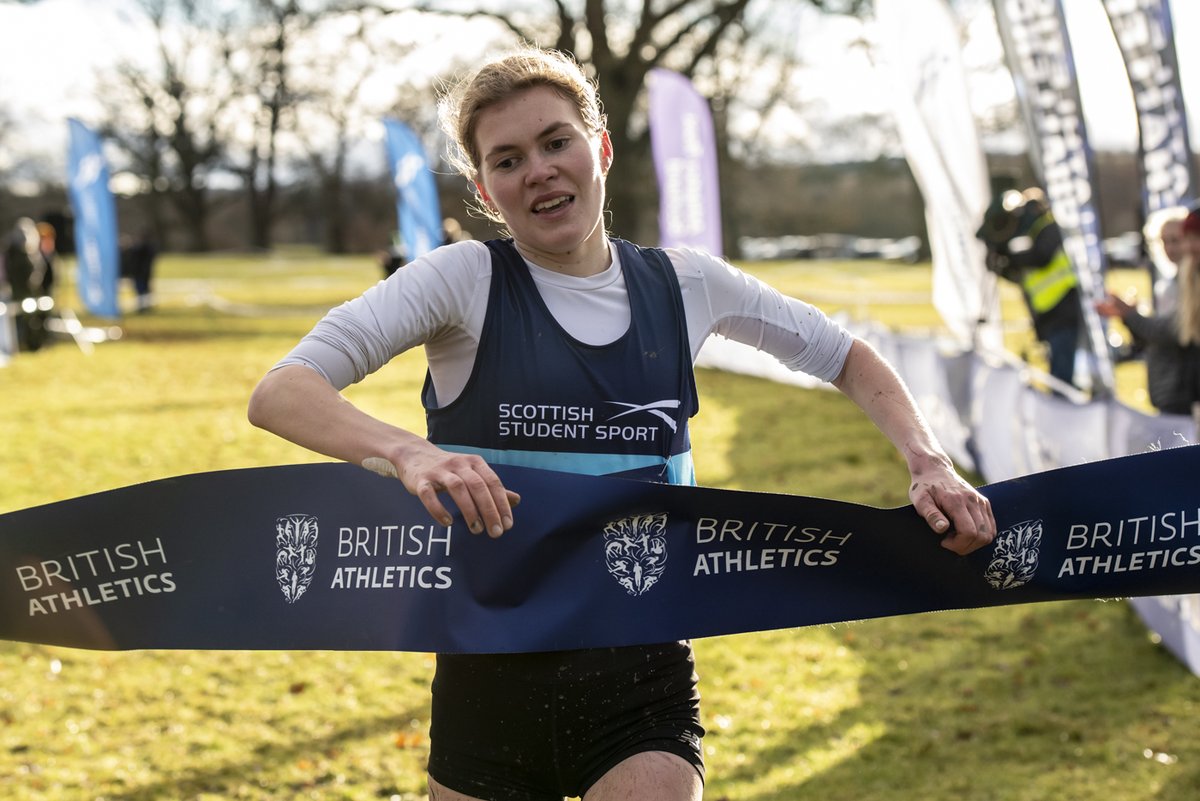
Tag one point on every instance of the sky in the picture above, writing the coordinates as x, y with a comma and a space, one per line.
54, 48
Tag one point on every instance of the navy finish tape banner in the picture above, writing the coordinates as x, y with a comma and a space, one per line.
330, 556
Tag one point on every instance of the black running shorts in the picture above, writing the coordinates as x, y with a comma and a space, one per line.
538, 727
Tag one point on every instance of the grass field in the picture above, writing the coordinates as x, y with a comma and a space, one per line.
1063, 701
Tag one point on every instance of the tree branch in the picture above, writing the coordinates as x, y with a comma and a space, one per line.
726, 15
566, 29
593, 11
650, 20
506, 20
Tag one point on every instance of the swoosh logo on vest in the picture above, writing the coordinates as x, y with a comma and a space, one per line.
651, 408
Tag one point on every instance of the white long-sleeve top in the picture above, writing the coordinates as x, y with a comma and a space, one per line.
440, 301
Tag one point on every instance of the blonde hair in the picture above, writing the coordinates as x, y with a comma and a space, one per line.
501, 78
1188, 316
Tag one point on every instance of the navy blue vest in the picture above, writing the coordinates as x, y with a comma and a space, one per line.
538, 397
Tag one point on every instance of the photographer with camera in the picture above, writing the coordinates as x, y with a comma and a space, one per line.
1025, 246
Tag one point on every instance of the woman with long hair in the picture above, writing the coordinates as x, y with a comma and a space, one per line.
1171, 335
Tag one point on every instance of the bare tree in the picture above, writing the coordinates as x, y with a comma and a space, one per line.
297, 61
622, 40
329, 115
166, 116
259, 58
327, 158
225, 98
218, 101
7, 164
753, 82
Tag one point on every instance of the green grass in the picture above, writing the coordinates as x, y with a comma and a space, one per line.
1064, 701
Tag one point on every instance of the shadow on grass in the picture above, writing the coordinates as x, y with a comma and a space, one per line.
188, 330
224, 779
1062, 700
1063, 706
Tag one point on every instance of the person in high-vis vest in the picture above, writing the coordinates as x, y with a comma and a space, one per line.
1025, 246
531, 341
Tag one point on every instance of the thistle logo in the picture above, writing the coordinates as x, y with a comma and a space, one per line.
635, 550
1015, 557
295, 554
653, 408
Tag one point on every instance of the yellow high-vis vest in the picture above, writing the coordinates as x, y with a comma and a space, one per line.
1046, 286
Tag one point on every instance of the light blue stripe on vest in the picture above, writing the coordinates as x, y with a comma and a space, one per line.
680, 468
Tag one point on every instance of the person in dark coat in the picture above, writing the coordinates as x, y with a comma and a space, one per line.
23, 276
1025, 246
1172, 337
137, 264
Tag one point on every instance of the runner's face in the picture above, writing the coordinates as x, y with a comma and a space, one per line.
544, 172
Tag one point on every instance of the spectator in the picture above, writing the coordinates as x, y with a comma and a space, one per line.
23, 275
1171, 336
47, 255
394, 257
452, 231
1025, 246
138, 255
1163, 235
